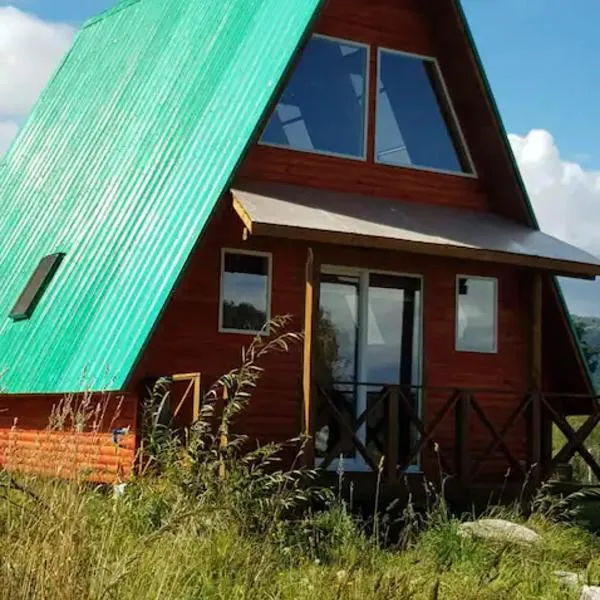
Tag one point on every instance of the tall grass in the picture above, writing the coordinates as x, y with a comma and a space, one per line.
211, 518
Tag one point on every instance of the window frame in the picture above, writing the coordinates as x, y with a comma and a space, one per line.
495, 281
455, 129
269, 257
367, 102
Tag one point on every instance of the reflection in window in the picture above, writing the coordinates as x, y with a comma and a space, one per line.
244, 292
414, 125
323, 106
476, 314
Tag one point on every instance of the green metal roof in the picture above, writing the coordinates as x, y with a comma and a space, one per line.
120, 166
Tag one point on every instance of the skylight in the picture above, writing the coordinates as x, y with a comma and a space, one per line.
37, 284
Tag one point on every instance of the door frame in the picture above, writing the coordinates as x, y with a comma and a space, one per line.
358, 464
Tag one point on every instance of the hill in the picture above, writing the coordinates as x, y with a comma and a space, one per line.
588, 329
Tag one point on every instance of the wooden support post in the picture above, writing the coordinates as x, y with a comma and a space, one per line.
393, 429
197, 388
311, 318
536, 383
462, 440
224, 438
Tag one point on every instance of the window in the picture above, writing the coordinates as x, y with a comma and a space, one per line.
416, 126
323, 108
37, 284
245, 291
476, 314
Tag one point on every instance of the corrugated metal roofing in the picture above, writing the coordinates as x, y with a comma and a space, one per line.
307, 212
120, 166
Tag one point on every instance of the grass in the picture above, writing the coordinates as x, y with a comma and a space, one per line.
68, 540
181, 530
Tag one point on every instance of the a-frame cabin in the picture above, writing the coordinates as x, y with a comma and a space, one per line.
196, 167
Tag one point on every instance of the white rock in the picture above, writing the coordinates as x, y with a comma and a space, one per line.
569, 579
590, 592
119, 490
498, 529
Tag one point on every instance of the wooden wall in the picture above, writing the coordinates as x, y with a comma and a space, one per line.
187, 338
401, 25
34, 441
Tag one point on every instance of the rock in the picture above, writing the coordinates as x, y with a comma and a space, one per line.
590, 592
498, 529
569, 579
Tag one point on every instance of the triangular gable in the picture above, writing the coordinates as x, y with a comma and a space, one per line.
564, 337
120, 166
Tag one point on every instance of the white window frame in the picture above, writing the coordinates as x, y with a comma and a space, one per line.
269, 257
358, 464
472, 173
494, 280
367, 99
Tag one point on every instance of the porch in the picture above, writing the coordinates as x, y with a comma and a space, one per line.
456, 441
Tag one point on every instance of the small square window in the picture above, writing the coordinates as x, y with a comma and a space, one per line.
476, 314
35, 287
245, 291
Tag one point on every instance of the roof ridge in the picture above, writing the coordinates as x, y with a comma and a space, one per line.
109, 12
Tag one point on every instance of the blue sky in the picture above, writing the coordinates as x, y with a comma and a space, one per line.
542, 58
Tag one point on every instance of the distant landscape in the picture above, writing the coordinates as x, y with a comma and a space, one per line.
588, 329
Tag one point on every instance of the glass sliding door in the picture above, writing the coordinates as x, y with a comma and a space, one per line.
368, 339
337, 365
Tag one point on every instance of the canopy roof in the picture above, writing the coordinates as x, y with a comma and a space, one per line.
319, 215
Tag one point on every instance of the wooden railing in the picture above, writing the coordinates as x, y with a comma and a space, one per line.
472, 434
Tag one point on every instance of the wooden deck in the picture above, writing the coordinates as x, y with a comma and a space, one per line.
481, 451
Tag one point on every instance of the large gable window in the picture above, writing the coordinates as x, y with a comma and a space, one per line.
416, 126
323, 108
245, 291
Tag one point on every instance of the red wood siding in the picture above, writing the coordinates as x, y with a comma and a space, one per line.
395, 24
187, 338
29, 444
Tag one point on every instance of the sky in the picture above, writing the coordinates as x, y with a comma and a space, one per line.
540, 57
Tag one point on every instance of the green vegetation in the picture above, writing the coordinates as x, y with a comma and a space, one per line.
210, 518
588, 332
69, 542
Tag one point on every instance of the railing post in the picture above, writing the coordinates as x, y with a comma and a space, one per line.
536, 437
536, 383
393, 416
223, 438
462, 439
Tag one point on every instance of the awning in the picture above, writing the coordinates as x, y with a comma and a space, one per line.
329, 217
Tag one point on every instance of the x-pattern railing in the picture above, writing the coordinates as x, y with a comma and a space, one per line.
465, 407
576, 438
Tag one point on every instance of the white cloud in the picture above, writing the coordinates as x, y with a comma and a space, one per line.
565, 196
8, 130
30, 50
566, 199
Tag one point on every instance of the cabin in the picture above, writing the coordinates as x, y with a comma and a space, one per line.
195, 168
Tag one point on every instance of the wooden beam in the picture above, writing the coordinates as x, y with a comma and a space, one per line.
556, 266
311, 319
393, 431
536, 378
536, 333
462, 438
